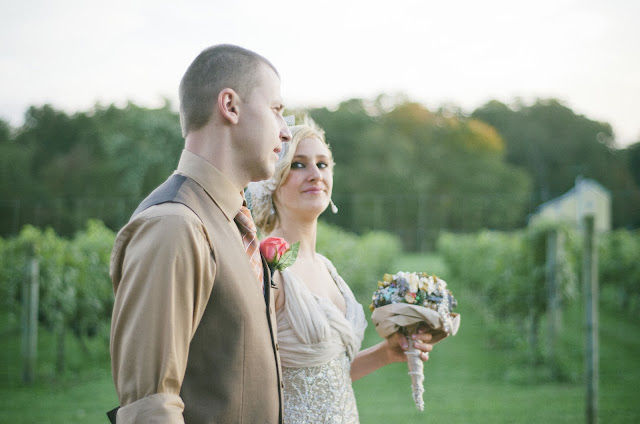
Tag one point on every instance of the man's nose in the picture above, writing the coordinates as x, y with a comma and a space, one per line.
285, 133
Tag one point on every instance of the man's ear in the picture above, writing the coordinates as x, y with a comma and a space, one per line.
228, 105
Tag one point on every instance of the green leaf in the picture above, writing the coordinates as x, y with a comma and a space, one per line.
289, 257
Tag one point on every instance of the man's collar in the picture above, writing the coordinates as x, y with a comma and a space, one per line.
217, 186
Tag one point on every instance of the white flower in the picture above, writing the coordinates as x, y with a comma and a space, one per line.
424, 281
442, 285
260, 192
431, 285
414, 282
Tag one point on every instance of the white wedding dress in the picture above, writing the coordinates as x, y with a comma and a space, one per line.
317, 344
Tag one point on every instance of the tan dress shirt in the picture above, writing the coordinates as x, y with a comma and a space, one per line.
163, 274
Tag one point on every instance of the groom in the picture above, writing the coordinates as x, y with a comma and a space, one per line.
193, 326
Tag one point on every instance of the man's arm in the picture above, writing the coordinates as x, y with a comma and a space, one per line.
166, 276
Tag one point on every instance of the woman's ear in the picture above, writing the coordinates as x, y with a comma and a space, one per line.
228, 105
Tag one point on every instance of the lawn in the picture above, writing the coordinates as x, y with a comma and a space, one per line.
464, 382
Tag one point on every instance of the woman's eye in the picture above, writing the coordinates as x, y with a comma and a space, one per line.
322, 165
296, 165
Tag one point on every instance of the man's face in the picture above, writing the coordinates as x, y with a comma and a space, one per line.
261, 127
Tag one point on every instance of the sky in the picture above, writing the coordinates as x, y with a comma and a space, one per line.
75, 54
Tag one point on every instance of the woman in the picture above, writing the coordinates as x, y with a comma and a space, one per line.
320, 324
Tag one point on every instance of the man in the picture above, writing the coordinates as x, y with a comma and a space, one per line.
193, 326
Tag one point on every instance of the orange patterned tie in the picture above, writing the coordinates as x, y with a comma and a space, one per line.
250, 241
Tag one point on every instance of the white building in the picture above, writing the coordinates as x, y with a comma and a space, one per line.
587, 197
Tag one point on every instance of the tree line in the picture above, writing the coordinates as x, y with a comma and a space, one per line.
400, 166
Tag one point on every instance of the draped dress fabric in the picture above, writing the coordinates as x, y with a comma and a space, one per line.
317, 344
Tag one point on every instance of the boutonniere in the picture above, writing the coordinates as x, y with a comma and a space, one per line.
278, 253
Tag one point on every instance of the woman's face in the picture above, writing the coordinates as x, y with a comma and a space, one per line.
307, 188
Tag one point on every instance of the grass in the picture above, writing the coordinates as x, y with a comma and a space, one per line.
464, 384
467, 383
82, 394
82, 399
464, 381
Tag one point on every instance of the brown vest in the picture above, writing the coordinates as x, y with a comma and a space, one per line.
233, 372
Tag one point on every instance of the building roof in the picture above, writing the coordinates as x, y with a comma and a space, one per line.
580, 182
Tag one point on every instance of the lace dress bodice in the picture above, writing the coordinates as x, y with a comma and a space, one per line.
317, 344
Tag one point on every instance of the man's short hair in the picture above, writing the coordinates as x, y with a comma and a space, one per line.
214, 69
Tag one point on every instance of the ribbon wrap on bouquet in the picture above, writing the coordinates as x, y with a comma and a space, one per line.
389, 318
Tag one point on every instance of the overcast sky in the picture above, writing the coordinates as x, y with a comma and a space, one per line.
73, 54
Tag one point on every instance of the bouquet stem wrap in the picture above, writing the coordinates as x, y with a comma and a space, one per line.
407, 318
416, 367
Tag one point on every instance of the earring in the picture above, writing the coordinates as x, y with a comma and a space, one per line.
272, 209
334, 208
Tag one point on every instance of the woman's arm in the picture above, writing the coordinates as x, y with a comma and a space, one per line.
388, 351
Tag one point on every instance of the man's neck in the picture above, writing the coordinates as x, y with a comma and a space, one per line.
214, 146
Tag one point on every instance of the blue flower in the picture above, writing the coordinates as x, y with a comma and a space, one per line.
403, 286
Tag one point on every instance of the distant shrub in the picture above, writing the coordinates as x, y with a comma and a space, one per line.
619, 270
506, 274
360, 260
74, 289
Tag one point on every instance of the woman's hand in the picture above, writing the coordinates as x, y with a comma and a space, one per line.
390, 350
397, 344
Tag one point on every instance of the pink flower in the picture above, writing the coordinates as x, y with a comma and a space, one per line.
273, 248
278, 253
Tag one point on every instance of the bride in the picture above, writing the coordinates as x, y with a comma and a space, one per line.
320, 323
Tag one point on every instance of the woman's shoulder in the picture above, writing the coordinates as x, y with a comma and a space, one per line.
337, 278
326, 260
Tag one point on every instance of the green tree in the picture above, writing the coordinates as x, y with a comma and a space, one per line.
142, 147
633, 153
406, 168
59, 156
60, 170
344, 129
555, 145
15, 179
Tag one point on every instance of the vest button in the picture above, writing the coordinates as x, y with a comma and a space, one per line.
277, 347
282, 384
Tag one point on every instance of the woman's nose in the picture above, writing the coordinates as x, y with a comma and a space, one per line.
314, 173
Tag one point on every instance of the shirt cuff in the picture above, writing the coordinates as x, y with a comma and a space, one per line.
157, 408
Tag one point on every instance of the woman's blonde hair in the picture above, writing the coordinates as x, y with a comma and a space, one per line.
261, 194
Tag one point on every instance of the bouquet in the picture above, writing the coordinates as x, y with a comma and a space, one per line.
404, 302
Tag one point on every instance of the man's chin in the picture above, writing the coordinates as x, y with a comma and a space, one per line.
266, 173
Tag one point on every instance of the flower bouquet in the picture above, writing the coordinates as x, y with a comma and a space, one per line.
406, 301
